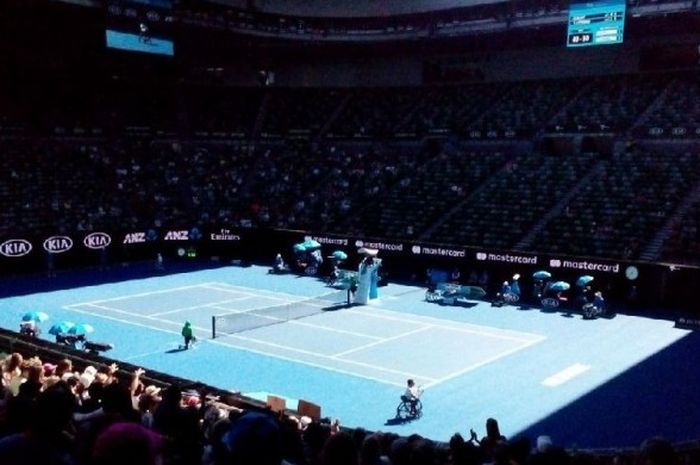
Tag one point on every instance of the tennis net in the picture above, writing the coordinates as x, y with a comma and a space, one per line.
246, 320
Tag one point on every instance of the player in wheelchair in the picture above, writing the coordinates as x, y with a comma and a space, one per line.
596, 308
410, 406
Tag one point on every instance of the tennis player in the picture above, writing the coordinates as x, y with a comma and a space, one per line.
187, 334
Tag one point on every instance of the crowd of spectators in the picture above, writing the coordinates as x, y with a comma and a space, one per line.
624, 205
59, 414
183, 157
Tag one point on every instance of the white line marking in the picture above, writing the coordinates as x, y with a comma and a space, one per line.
329, 357
443, 322
565, 375
193, 307
260, 295
482, 363
243, 348
147, 317
266, 292
335, 330
381, 341
477, 329
143, 294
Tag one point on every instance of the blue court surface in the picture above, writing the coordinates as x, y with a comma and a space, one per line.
597, 383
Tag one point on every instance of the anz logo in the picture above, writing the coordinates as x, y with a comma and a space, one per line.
15, 247
177, 235
97, 240
58, 244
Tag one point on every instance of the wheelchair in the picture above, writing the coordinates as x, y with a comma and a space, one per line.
403, 411
591, 311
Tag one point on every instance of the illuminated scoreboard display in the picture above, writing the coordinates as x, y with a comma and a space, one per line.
600, 22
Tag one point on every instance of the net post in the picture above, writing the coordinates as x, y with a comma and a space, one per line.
213, 327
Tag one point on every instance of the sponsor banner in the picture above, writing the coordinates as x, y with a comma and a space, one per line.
339, 241
506, 258
224, 235
438, 251
15, 247
688, 323
177, 235
193, 234
97, 240
380, 245
134, 238
584, 265
58, 244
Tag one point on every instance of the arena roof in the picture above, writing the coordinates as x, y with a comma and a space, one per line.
351, 8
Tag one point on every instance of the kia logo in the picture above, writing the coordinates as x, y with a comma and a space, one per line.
15, 247
554, 263
480, 256
359, 244
415, 249
97, 240
58, 244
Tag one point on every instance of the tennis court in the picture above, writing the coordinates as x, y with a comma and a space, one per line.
523, 367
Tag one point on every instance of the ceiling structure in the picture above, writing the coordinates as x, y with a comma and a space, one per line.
351, 8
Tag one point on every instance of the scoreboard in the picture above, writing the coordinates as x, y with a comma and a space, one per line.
598, 22
144, 26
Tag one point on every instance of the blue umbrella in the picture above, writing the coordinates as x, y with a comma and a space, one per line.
339, 255
584, 280
80, 328
542, 274
311, 244
35, 316
61, 328
560, 286
300, 247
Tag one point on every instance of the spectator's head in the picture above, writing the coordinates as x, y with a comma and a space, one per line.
254, 438
127, 443
657, 451
492, 429
13, 362
339, 450
422, 452
371, 451
64, 366
544, 443
54, 409
116, 399
49, 369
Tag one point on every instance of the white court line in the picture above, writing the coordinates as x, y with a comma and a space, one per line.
299, 322
238, 347
381, 341
260, 295
329, 357
262, 292
440, 321
335, 330
482, 363
442, 326
262, 342
136, 315
565, 375
192, 307
144, 294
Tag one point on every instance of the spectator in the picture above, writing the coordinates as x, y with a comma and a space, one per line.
127, 443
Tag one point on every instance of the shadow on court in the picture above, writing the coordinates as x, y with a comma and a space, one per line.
658, 396
399, 421
175, 350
